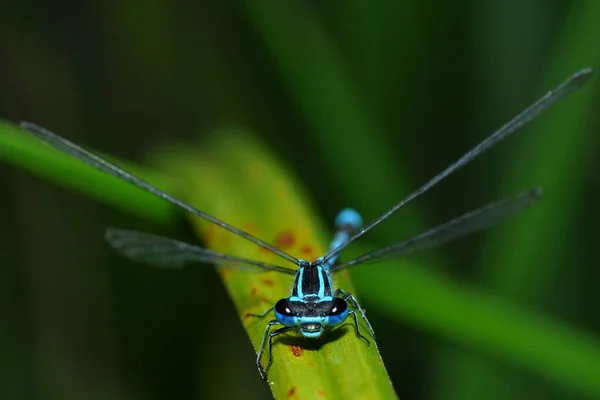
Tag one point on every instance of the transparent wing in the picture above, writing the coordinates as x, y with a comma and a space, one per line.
530, 113
106, 166
470, 222
170, 253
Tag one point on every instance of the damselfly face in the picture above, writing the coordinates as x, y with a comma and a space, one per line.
311, 317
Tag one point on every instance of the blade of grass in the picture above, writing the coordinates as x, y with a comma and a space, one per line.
309, 373
236, 178
411, 295
24, 151
481, 321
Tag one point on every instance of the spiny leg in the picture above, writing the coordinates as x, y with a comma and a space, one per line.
263, 371
360, 335
271, 336
261, 315
348, 296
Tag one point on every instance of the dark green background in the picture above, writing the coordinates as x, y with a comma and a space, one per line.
365, 100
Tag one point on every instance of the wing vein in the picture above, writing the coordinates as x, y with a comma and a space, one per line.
106, 166
531, 112
170, 253
463, 225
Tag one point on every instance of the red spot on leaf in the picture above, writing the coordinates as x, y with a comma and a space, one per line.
306, 250
285, 240
321, 393
264, 300
296, 350
253, 291
268, 282
292, 392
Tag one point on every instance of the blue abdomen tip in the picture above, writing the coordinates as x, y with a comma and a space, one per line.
348, 216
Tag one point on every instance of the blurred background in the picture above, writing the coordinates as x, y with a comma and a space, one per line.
365, 101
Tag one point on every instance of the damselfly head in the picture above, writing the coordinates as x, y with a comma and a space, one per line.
311, 317
311, 329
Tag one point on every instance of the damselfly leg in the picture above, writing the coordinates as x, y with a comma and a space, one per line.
261, 315
350, 297
263, 371
357, 328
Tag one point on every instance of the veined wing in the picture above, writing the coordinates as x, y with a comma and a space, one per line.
470, 222
106, 166
553, 96
170, 253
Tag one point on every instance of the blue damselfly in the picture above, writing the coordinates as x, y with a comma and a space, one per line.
314, 305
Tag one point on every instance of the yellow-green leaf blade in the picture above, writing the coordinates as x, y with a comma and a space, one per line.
238, 180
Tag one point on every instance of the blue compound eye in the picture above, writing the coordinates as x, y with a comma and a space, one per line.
284, 313
283, 307
338, 312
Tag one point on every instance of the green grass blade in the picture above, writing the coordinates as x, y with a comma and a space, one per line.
340, 368
237, 179
26, 152
240, 181
483, 322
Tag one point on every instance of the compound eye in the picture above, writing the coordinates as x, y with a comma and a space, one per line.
339, 307
282, 307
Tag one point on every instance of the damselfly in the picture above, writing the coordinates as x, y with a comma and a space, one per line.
313, 305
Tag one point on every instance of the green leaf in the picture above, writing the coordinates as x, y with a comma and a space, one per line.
484, 322
237, 179
27, 152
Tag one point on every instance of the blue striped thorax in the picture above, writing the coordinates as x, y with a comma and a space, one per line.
313, 306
